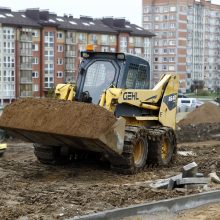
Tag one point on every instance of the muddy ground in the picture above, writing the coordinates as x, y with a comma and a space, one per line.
35, 191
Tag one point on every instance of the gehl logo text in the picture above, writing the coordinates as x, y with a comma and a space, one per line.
130, 96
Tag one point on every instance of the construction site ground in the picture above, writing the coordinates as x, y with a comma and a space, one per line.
31, 190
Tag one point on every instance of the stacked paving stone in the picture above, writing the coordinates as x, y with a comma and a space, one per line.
189, 177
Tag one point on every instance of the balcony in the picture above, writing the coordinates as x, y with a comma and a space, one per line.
138, 44
26, 80
26, 38
26, 66
93, 41
70, 54
105, 42
8, 94
26, 93
24, 52
70, 67
70, 41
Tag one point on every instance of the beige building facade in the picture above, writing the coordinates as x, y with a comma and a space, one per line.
39, 49
187, 40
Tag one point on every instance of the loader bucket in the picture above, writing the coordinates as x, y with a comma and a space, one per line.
64, 123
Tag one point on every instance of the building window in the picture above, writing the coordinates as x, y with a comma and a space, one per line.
157, 9
35, 74
137, 51
172, 42
147, 26
82, 37
172, 59
112, 38
171, 68
172, 17
131, 51
171, 51
165, 59
156, 26
35, 87
156, 59
48, 82
35, 47
104, 49
146, 18
112, 49
156, 51
94, 38
59, 74
155, 67
165, 50
35, 60
165, 9
131, 40
59, 48
164, 67
59, 61
59, 35
123, 44
35, 33
157, 18
172, 26
146, 9
172, 8
165, 17
164, 42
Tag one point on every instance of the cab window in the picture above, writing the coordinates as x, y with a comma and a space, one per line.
99, 77
138, 77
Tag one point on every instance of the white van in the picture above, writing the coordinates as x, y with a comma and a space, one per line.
189, 102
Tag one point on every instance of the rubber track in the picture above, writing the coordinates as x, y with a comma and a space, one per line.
155, 134
124, 163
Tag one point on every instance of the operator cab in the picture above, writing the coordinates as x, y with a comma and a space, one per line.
100, 75
101, 70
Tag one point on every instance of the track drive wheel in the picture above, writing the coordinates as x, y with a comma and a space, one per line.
51, 154
134, 156
140, 153
162, 148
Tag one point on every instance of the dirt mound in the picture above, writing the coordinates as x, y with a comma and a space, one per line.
199, 132
57, 117
200, 125
207, 113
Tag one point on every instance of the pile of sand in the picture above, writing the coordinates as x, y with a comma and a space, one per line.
206, 113
58, 117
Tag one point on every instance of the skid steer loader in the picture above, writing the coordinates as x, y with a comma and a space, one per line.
111, 110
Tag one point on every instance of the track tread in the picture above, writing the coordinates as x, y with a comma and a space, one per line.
124, 163
155, 136
49, 155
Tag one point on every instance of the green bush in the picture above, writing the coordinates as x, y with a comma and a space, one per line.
50, 93
203, 93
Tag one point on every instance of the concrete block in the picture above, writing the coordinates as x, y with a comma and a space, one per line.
160, 184
172, 181
166, 183
190, 170
214, 177
171, 184
199, 175
192, 180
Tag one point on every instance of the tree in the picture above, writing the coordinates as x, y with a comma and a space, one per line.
197, 85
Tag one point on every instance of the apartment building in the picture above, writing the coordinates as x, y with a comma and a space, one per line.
39, 49
187, 40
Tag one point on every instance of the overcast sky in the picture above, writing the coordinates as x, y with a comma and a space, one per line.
130, 9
